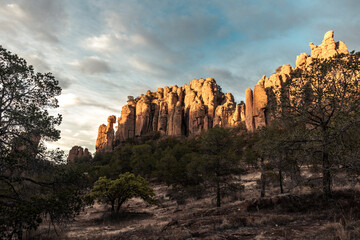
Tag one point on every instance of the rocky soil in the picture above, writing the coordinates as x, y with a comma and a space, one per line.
288, 216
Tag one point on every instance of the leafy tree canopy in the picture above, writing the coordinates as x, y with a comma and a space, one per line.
118, 191
30, 186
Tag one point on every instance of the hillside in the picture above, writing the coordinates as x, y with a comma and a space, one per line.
300, 215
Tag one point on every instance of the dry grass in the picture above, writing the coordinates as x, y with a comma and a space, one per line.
303, 215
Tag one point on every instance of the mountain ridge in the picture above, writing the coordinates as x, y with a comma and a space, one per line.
200, 105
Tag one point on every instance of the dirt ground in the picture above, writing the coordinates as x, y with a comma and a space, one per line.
288, 216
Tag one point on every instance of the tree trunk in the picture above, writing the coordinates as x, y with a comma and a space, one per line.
326, 174
112, 206
281, 182
120, 202
262, 178
218, 195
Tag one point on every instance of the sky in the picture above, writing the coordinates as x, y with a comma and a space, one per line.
103, 51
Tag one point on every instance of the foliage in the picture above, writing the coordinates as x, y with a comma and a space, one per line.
319, 105
31, 187
171, 166
219, 161
25, 99
118, 191
142, 161
181, 163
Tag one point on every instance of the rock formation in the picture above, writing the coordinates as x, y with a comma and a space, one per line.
126, 123
173, 111
77, 152
328, 47
256, 116
106, 136
200, 105
249, 117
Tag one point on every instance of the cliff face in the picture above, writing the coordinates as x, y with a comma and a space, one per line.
200, 105
256, 116
173, 111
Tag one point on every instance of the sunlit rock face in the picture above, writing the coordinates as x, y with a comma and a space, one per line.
77, 152
106, 136
328, 47
266, 89
173, 111
200, 105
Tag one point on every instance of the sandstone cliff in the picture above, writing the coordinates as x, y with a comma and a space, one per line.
256, 102
200, 105
173, 111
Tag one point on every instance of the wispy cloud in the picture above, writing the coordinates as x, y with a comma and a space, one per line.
91, 65
44, 19
103, 51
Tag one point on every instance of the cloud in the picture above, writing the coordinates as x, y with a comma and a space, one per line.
220, 73
120, 48
190, 30
68, 99
98, 105
64, 82
92, 65
105, 42
36, 59
150, 67
42, 19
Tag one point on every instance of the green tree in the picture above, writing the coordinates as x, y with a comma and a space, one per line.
220, 161
30, 186
142, 161
118, 191
171, 166
322, 102
273, 151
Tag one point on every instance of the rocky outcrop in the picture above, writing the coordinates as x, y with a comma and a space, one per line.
328, 47
227, 114
173, 111
265, 90
77, 152
106, 137
259, 104
200, 105
249, 117
126, 122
